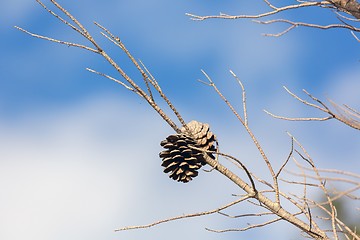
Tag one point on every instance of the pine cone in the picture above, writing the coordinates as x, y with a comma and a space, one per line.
201, 133
182, 161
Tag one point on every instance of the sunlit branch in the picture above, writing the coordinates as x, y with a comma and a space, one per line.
344, 114
185, 216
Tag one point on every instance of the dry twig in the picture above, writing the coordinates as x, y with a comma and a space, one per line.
345, 114
351, 7
273, 207
186, 216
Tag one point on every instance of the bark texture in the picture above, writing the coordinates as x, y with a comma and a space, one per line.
350, 6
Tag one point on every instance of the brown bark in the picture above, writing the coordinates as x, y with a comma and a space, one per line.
350, 6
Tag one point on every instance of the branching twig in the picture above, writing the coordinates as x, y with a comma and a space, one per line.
243, 96
345, 114
118, 43
82, 30
246, 126
303, 24
186, 216
246, 215
113, 79
265, 14
259, 196
322, 185
350, 7
245, 228
287, 159
248, 173
70, 44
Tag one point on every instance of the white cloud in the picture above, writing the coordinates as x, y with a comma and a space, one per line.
87, 169
80, 172
66, 174
84, 170
344, 86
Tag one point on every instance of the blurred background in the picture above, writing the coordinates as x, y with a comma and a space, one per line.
79, 153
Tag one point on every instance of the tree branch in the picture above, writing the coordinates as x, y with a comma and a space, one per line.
351, 7
345, 114
185, 216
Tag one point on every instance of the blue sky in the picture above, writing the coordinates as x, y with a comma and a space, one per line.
79, 154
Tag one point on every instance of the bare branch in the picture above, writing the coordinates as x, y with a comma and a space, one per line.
322, 185
298, 119
245, 228
153, 80
351, 7
345, 114
257, 144
185, 216
247, 214
302, 24
81, 30
70, 44
351, 174
266, 202
146, 78
243, 96
306, 102
117, 42
113, 79
356, 37
259, 197
61, 19
265, 14
242, 166
346, 18
287, 159
301, 183
348, 230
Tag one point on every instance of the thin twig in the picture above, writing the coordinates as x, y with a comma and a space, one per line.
114, 79
305, 102
70, 44
346, 114
356, 37
146, 79
303, 24
133, 84
245, 228
336, 171
185, 216
117, 41
322, 185
256, 142
287, 159
248, 173
243, 96
153, 80
246, 215
61, 19
300, 183
275, 11
298, 118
